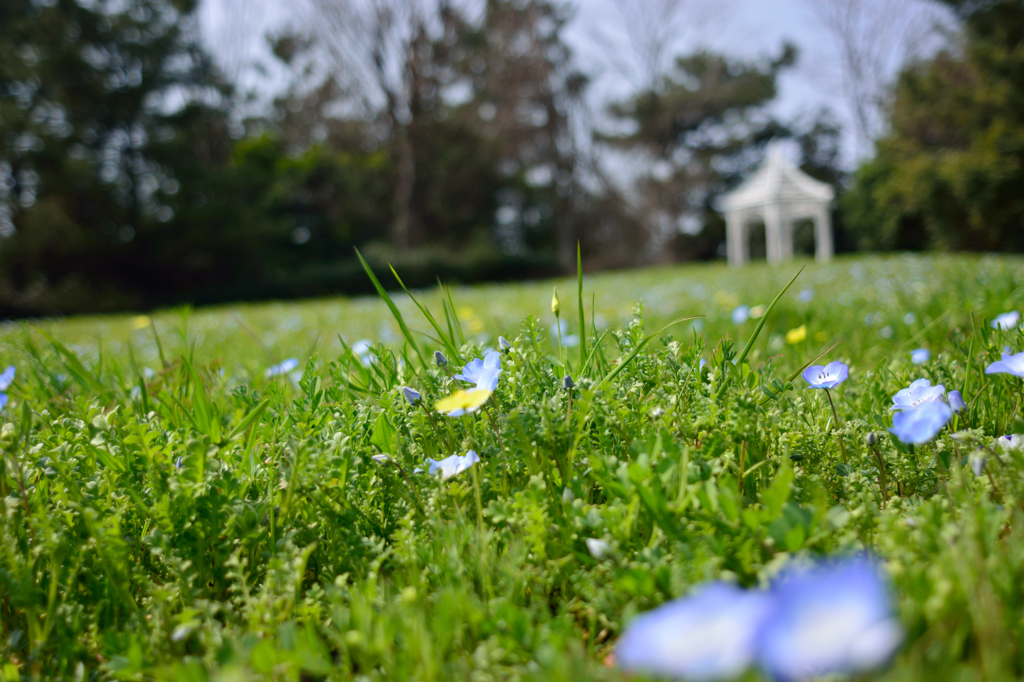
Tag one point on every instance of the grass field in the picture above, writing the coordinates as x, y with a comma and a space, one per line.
178, 504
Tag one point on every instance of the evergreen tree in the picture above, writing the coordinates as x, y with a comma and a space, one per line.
111, 121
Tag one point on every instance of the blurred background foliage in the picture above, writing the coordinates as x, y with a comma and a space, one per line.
135, 173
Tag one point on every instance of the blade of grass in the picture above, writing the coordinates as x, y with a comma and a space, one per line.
583, 320
449, 346
394, 309
757, 330
639, 348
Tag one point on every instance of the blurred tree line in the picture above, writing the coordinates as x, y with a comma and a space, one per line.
949, 173
450, 143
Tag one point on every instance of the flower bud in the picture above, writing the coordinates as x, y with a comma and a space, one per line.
503, 345
871, 439
956, 402
439, 359
411, 395
555, 308
567, 382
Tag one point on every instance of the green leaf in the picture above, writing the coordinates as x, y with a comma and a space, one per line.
385, 437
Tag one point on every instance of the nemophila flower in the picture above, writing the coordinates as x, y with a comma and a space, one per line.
1009, 364
920, 356
828, 376
740, 314
597, 548
709, 635
1006, 321
834, 618
567, 382
794, 336
1010, 442
6, 379
381, 459
702, 363
917, 394
922, 424
453, 465
503, 345
463, 402
412, 396
439, 359
956, 402
283, 368
805, 296
909, 319
484, 373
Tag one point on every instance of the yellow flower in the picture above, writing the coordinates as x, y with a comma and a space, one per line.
462, 402
140, 321
796, 335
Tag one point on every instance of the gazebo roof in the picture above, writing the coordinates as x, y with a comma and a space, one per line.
778, 180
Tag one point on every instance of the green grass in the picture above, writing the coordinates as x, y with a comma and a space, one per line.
169, 512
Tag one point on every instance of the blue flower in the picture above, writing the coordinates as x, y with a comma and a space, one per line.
453, 465
439, 359
1009, 364
1006, 321
834, 618
6, 379
922, 424
283, 368
740, 314
805, 296
709, 635
956, 402
829, 376
917, 394
412, 396
503, 345
1010, 442
920, 356
484, 373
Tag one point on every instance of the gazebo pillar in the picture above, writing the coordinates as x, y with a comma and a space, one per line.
773, 232
823, 248
736, 238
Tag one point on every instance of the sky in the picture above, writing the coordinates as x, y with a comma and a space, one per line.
741, 28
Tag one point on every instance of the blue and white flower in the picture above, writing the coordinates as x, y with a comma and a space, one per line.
827, 376
920, 356
834, 618
6, 379
484, 373
740, 314
453, 465
922, 424
709, 635
918, 393
1009, 364
1006, 321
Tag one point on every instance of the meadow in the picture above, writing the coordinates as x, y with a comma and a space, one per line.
269, 491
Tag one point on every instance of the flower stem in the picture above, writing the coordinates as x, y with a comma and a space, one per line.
842, 446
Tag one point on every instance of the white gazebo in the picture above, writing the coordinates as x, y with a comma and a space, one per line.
780, 194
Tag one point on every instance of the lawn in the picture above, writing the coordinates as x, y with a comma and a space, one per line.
247, 492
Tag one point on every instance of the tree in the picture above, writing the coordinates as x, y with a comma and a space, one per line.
111, 122
949, 174
701, 128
